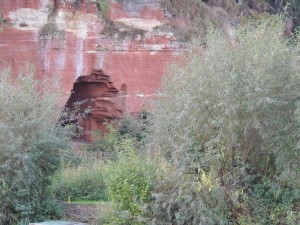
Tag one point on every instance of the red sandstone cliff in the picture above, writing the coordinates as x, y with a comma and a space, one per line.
69, 39
125, 41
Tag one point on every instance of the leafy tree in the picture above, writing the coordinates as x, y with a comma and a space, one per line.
228, 122
30, 144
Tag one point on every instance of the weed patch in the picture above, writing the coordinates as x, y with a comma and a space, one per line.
81, 183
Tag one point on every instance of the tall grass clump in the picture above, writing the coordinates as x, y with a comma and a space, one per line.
228, 123
30, 143
84, 182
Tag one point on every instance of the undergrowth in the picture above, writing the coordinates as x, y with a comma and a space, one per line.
84, 182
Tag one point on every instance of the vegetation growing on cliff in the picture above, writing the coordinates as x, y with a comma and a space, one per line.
3, 22
103, 7
51, 31
200, 15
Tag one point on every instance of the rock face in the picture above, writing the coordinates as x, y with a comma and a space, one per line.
70, 38
97, 92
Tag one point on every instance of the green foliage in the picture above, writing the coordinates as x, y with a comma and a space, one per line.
129, 184
290, 7
183, 199
227, 121
272, 204
112, 139
84, 182
30, 143
69, 158
136, 128
3, 22
103, 7
108, 141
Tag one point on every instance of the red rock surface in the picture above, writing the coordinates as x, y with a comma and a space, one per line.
72, 45
97, 92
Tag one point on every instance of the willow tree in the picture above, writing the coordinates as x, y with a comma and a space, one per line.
228, 124
30, 144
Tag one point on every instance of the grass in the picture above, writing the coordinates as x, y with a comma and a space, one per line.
84, 183
86, 202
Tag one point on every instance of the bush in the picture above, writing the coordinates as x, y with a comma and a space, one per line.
272, 204
129, 184
30, 144
227, 121
136, 128
85, 182
108, 141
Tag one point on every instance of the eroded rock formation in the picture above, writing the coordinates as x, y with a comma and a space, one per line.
97, 93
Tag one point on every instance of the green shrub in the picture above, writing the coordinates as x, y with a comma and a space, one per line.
30, 144
136, 128
113, 138
129, 184
84, 182
108, 141
273, 204
227, 121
